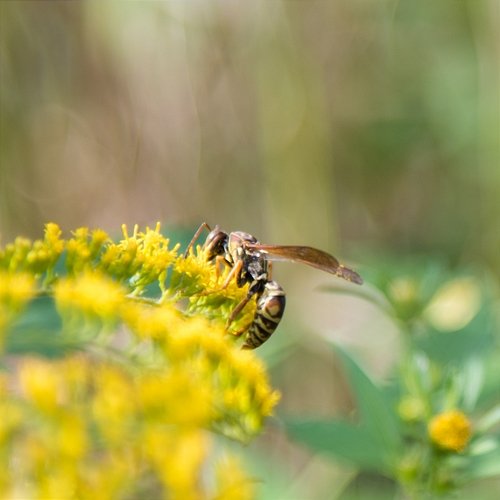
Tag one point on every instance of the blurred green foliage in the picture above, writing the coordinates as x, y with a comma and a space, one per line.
450, 344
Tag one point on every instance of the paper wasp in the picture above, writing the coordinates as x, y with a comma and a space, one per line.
250, 264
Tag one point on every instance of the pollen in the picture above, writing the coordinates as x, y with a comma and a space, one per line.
450, 430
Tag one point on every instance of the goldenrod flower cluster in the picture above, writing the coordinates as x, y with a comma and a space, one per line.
156, 377
36, 257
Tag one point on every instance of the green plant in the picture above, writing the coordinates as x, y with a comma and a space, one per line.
435, 426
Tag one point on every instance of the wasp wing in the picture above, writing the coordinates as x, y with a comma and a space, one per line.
307, 255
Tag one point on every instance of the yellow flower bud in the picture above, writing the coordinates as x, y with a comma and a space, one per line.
450, 430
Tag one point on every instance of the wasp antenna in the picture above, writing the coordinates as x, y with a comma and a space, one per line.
203, 226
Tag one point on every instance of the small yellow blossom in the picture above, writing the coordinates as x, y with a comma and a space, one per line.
16, 290
110, 478
450, 430
232, 482
61, 483
71, 438
53, 239
114, 403
11, 419
83, 249
44, 254
92, 294
40, 382
197, 334
177, 458
13, 257
148, 321
97, 238
142, 258
189, 388
193, 274
76, 370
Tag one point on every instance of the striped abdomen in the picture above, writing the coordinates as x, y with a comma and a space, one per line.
270, 308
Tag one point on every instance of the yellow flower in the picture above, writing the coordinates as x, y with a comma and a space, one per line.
181, 396
111, 477
15, 290
232, 482
450, 430
84, 248
122, 259
149, 322
71, 436
193, 274
41, 383
77, 371
13, 256
92, 294
158, 257
177, 458
142, 258
11, 419
53, 239
60, 483
251, 371
114, 403
97, 239
44, 253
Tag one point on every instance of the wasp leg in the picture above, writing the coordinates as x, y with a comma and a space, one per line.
269, 270
203, 226
218, 261
237, 311
239, 333
235, 270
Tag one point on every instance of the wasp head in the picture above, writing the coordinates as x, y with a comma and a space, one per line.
216, 243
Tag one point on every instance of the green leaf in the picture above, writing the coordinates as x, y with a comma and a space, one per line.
374, 443
377, 414
341, 440
489, 420
472, 375
485, 465
38, 331
458, 347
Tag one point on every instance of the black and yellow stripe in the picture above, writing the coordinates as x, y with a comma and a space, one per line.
270, 308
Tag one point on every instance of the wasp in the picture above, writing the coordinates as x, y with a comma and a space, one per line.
250, 263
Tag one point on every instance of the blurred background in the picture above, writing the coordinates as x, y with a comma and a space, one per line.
366, 128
